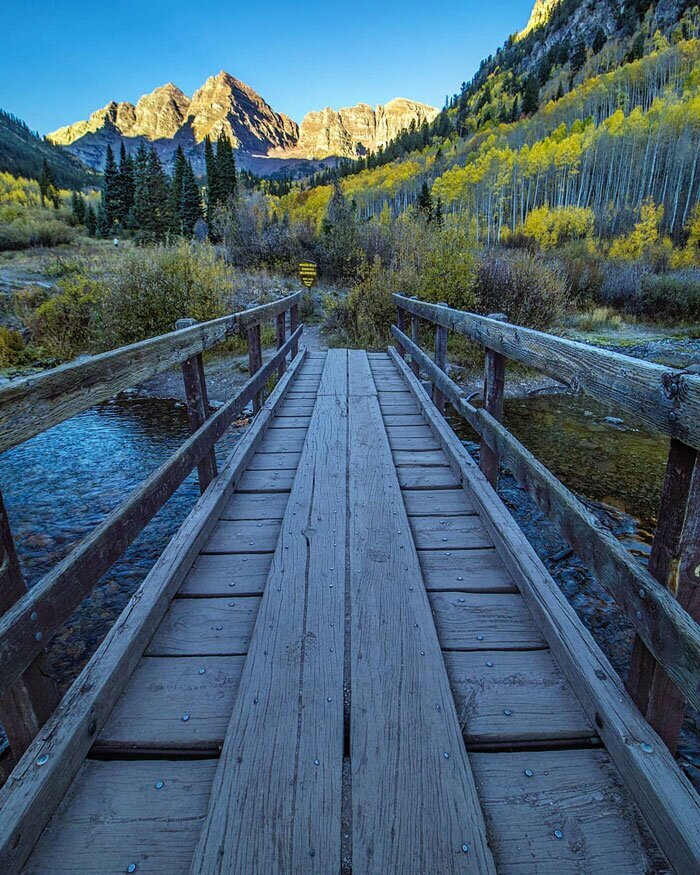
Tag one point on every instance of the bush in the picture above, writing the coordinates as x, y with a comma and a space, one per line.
671, 297
621, 285
527, 289
28, 232
11, 347
366, 316
551, 227
152, 288
64, 324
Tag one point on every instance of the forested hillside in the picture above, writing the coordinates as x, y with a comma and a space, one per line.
22, 153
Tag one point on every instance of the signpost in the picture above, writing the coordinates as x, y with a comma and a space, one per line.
307, 273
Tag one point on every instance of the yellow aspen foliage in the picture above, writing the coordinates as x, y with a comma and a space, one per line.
642, 237
550, 227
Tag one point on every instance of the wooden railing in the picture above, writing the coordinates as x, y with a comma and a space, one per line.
661, 601
31, 618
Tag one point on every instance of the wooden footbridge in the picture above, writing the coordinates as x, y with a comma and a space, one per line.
349, 658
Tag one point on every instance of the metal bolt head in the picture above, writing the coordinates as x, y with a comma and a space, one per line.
185, 718
465, 848
159, 785
558, 833
646, 747
202, 670
507, 712
446, 755
317, 762
42, 759
489, 664
131, 867
528, 773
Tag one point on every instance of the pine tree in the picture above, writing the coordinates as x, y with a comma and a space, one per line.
162, 218
47, 187
190, 205
77, 206
90, 220
176, 185
110, 193
141, 209
425, 202
225, 170
213, 188
125, 187
531, 96
578, 58
439, 215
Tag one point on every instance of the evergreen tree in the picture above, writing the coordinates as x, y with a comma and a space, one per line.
152, 214
190, 205
225, 170
176, 185
213, 188
439, 215
47, 187
77, 205
90, 220
110, 194
425, 202
125, 187
531, 96
578, 58
598, 40
140, 209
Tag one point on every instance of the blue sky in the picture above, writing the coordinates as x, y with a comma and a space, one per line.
61, 60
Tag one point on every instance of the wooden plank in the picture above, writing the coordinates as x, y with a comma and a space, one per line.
36, 403
410, 420
285, 422
436, 502
665, 627
30, 797
198, 409
274, 461
255, 506
280, 331
360, 379
465, 570
243, 536
415, 477
664, 399
408, 758
115, 816
226, 574
266, 481
276, 798
575, 793
441, 362
521, 696
283, 441
484, 621
160, 692
494, 380
664, 795
449, 532
193, 627
334, 380
30, 623
399, 409
425, 458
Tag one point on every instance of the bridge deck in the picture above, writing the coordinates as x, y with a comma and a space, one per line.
348, 678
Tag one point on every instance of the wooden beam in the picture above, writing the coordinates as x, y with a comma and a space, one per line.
494, 380
33, 404
441, 362
415, 336
43, 610
280, 331
43, 776
666, 629
401, 323
675, 562
666, 798
26, 705
662, 398
293, 323
255, 361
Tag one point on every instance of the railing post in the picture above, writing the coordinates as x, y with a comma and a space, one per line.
415, 337
675, 562
281, 328
494, 378
255, 360
401, 325
440, 361
293, 325
197, 405
26, 706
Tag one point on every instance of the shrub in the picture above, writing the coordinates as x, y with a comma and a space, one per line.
551, 227
64, 324
28, 232
598, 319
368, 312
644, 241
621, 285
152, 288
528, 290
671, 297
11, 347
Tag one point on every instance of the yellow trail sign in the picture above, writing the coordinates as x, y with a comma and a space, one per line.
307, 273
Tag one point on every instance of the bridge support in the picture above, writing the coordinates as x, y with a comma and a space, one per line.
494, 380
675, 562
255, 360
281, 328
26, 706
197, 405
440, 361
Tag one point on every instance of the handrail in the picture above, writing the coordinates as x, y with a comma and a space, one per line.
665, 627
665, 399
663, 601
34, 404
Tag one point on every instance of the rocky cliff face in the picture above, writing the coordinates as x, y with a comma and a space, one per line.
356, 130
167, 118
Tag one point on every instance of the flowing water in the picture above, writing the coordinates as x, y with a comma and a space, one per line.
61, 484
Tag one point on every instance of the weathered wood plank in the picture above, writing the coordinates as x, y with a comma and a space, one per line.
274, 461
437, 502
161, 691
198, 409
285, 422
408, 757
664, 626
243, 536
665, 399
283, 441
415, 477
575, 793
665, 796
255, 506
212, 626
494, 380
360, 379
521, 696
484, 621
276, 799
30, 797
225, 574
266, 481
399, 420
31, 622
449, 532
418, 458
465, 570
116, 816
